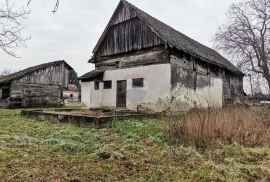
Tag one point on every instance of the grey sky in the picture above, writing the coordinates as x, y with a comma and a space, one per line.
73, 31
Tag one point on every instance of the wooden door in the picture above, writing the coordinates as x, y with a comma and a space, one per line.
121, 94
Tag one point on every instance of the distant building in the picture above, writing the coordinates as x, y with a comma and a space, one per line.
141, 61
259, 99
71, 94
38, 86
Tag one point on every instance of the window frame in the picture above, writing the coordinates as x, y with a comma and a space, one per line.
106, 86
137, 79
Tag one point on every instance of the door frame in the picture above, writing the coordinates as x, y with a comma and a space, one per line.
117, 82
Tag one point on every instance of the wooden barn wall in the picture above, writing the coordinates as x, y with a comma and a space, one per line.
128, 36
232, 88
122, 14
56, 75
35, 95
141, 58
4, 103
188, 74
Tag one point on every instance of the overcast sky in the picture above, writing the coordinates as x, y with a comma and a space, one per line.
73, 31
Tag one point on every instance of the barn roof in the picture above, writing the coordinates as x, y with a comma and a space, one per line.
91, 75
30, 70
72, 87
177, 39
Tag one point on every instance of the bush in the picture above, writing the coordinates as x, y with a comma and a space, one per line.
228, 125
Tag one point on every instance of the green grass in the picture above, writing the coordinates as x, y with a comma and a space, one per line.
32, 150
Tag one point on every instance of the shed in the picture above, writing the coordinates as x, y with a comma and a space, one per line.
37, 86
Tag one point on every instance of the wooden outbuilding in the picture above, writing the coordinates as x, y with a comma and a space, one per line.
38, 86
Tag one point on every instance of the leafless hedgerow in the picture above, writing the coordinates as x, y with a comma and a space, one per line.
228, 125
246, 36
11, 27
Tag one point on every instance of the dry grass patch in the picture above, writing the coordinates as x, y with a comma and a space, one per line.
228, 125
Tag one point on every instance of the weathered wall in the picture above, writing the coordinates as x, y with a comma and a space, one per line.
71, 96
35, 95
193, 85
85, 93
150, 56
56, 75
3, 103
154, 94
96, 96
233, 89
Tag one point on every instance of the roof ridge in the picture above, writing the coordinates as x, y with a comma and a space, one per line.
30, 70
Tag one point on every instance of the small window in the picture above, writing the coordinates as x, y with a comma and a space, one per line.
96, 85
107, 85
71, 95
117, 64
137, 83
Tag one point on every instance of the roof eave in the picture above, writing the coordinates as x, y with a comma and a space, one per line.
92, 60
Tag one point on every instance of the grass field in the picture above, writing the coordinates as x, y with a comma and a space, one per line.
130, 150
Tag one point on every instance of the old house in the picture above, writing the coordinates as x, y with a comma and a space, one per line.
141, 61
71, 94
38, 86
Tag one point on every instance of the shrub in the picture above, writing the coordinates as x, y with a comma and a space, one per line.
228, 125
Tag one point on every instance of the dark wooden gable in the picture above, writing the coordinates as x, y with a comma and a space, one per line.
122, 14
126, 33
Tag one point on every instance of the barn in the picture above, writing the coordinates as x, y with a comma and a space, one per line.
39, 86
141, 61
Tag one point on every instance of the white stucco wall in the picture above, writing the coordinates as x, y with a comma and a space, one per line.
207, 92
68, 98
156, 87
85, 93
96, 96
157, 93
211, 96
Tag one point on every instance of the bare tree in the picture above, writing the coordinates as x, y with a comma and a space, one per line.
11, 27
56, 6
246, 36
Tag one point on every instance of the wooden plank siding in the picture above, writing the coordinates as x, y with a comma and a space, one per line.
122, 14
128, 36
156, 55
54, 75
35, 95
127, 33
